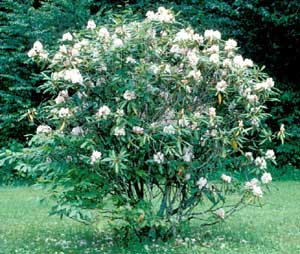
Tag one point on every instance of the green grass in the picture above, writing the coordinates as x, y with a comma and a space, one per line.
25, 227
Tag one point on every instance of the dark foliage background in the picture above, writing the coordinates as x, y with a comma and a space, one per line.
267, 31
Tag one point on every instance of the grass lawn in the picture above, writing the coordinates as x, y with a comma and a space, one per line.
25, 227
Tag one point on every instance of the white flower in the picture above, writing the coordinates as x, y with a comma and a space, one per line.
248, 63
260, 162
138, 130
212, 35
117, 43
62, 96
129, 95
91, 24
175, 49
43, 129
213, 49
96, 156
119, 131
250, 185
201, 183
187, 154
230, 45
195, 75
63, 49
221, 86
131, 60
31, 53
226, 178
257, 191
241, 124
238, 61
220, 213
67, 37
212, 112
73, 75
38, 46
120, 112
266, 178
64, 112
77, 131
270, 155
103, 111
158, 158
103, 32
169, 130
214, 58
227, 63
154, 69
162, 15
184, 35
193, 57
252, 98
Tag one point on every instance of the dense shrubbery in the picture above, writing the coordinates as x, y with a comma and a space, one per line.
148, 120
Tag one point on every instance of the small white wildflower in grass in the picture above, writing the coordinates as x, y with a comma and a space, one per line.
266, 178
169, 130
67, 37
77, 131
119, 131
221, 86
129, 95
64, 112
158, 158
91, 24
270, 155
220, 213
260, 162
96, 156
103, 111
226, 178
201, 183
43, 129
138, 130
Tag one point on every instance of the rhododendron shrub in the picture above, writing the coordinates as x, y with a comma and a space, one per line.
149, 124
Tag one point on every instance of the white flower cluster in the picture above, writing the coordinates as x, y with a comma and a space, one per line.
62, 97
169, 130
95, 157
73, 75
266, 85
266, 178
37, 50
254, 188
196, 75
119, 131
188, 154
103, 33
220, 213
158, 158
212, 35
230, 45
45, 129
77, 131
226, 178
260, 162
201, 183
239, 62
103, 111
221, 86
212, 112
64, 113
91, 25
129, 95
270, 155
188, 35
67, 37
138, 130
162, 15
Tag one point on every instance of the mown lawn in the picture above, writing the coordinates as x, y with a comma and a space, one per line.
25, 227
